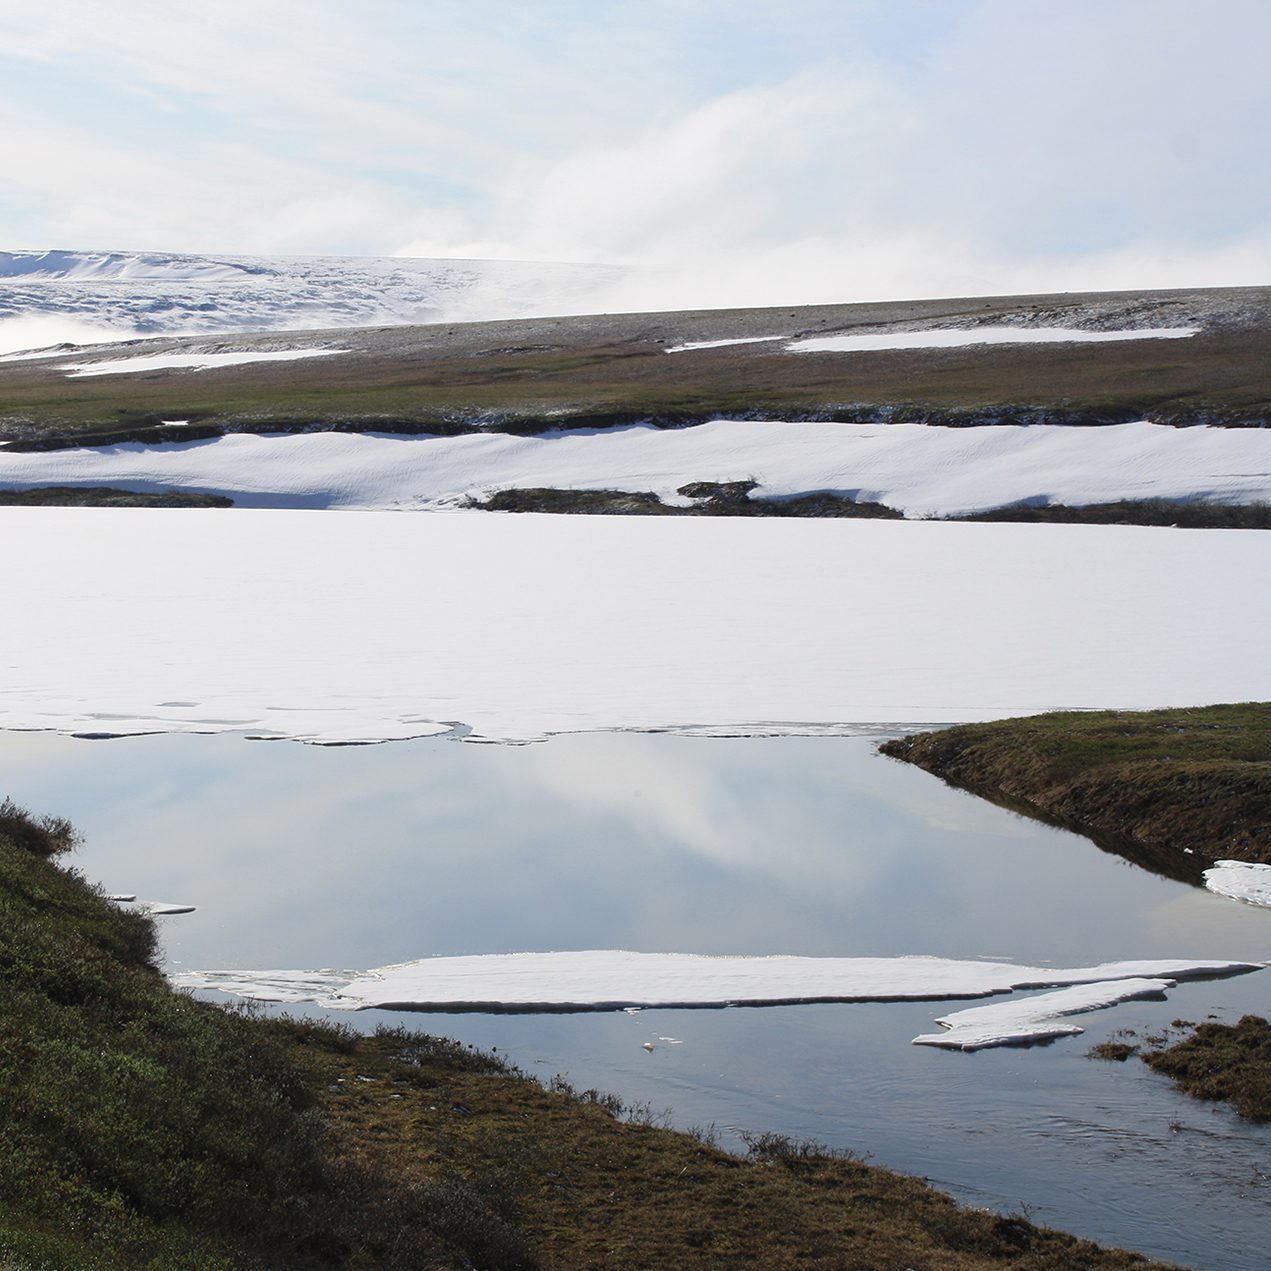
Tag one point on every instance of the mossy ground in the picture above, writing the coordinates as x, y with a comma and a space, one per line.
144, 1129
1226, 1062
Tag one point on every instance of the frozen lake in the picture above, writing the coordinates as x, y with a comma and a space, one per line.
311, 857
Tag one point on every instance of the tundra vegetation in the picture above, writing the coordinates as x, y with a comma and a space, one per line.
143, 1128
1172, 790
535, 375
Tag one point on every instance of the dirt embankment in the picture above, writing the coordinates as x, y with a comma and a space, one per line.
1171, 790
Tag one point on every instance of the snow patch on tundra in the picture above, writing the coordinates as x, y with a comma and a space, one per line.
952, 338
185, 361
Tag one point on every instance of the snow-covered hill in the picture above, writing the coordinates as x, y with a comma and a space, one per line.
54, 296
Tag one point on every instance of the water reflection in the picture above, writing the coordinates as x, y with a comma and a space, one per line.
352, 858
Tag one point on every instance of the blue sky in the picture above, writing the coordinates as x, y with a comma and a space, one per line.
748, 150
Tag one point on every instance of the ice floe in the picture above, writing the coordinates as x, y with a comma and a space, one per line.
611, 980
186, 361
1240, 880
1032, 1019
374, 625
919, 470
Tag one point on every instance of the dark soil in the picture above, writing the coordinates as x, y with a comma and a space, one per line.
67, 496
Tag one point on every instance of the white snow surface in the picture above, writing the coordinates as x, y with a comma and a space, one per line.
920, 470
190, 361
1032, 1019
945, 338
374, 625
85, 296
1241, 880
961, 337
609, 979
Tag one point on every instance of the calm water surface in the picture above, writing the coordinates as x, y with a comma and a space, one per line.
307, 857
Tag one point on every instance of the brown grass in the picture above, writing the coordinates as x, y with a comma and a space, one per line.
587, 1189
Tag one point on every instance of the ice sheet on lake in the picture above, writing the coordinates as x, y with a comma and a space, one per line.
1241, 880
1032, 1019
618, 980
919, 470
375, 626
188, 361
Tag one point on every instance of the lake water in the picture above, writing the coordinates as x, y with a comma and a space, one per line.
309, 857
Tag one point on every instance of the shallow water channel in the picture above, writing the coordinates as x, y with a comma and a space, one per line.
355, 857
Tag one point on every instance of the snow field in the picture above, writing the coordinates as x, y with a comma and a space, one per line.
917, 469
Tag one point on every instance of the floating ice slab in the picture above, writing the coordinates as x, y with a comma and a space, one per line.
1241, 880
187, 361
619, 980
919, 470
374, 626
951, 338
1033, 1019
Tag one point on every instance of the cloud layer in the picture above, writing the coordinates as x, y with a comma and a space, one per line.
735, 153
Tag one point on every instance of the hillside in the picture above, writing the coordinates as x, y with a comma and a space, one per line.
536, 374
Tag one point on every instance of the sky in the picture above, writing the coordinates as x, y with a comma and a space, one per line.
730, 151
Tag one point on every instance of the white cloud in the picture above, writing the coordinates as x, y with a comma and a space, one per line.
738, 153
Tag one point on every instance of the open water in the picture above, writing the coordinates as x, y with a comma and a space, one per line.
355, 857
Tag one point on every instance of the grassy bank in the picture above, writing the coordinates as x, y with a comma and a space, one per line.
1173, 790
144, 1129
1226, 1062
537, 374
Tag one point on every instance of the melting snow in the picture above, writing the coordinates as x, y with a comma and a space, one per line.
620, 980
962, 337
190, 361
1240, 880
1033, 1019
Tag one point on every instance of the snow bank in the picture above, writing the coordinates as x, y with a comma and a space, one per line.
373, 625
619, 980
920, 470
188, 361
1034, 1019
1240, 880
